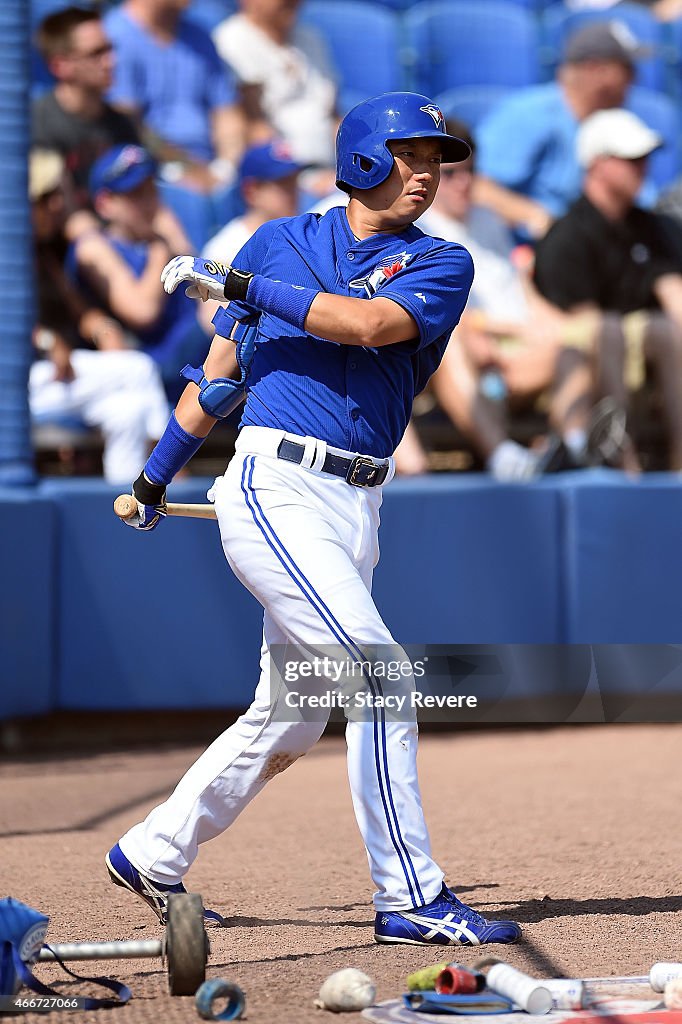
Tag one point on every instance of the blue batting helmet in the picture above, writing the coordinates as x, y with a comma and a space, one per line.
363, 158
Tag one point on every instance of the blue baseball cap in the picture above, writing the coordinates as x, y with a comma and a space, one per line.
268, 162
121, 169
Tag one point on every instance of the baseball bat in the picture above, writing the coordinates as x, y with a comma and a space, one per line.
596, 989
657, 978
125, 507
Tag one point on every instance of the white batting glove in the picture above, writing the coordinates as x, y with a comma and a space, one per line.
207, 278
151, 504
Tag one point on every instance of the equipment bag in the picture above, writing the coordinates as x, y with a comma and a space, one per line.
22, 936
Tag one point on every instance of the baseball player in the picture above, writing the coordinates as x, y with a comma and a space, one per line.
339, 321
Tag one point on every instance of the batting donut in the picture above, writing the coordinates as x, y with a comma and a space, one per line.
214, 991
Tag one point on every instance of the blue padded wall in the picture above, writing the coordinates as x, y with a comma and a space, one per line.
28, 570
95, 616
623, 558
149, 621
160, 621
466, 560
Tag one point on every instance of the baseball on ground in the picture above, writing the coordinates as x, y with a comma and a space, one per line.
346, 991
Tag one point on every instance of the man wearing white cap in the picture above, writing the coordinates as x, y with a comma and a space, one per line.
618, 269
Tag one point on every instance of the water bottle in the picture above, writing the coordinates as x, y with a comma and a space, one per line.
492, 385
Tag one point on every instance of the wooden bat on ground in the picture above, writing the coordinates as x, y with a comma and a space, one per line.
125, 507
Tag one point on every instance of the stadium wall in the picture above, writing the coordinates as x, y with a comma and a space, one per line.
96, 617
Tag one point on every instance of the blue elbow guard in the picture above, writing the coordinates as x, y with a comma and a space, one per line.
221, 396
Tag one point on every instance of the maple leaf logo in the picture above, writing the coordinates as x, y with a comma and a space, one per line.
381, 273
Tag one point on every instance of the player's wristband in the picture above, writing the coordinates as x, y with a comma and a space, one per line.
237, 284
290, 302
148, 493
174, 450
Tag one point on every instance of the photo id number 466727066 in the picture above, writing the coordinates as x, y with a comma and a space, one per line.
40, 1004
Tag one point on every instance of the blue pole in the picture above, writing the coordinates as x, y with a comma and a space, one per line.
16, 257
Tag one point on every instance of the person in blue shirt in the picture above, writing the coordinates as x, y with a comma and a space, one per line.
339, 319
119, 260
528, 172
169, 75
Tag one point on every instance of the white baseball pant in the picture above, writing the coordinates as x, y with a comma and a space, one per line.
305, 544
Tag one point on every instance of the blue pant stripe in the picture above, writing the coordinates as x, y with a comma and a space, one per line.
352, 649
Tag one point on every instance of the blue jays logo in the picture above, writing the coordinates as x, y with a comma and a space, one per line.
381, 273
436, 113
130, 156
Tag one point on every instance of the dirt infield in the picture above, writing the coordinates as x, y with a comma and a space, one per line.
569, 831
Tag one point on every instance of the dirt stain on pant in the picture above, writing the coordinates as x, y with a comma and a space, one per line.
276, 764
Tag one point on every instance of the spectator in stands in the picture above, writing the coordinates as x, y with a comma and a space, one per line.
287, 80
507, 332
74, 118
121, 263
529, 172
268, 181
616, 270
170, 77
108, 386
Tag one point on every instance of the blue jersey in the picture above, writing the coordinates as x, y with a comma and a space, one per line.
352, 397
175, 86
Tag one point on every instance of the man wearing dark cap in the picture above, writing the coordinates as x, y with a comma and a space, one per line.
87, 374
527, 164
268, 182
120, 262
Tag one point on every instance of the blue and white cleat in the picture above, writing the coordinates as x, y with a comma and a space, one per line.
154, 894
444, 922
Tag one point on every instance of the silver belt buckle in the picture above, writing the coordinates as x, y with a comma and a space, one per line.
356, 471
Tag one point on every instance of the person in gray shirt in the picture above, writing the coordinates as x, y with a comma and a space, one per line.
74, 118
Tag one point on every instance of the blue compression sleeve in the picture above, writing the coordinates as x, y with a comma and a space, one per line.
174, 450
287, 301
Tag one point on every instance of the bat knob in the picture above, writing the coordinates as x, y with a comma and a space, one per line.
125, 506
